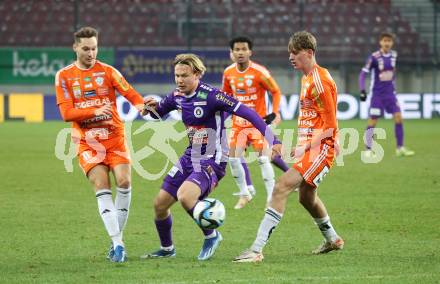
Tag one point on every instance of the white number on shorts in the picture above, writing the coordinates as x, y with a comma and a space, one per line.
173, 171
320, 176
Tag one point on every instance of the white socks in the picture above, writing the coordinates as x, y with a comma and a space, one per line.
268, 175
122, 204
268, 224
326, 228
109, 216
239, 176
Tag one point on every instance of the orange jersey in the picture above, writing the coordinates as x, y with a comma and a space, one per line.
318, 101
81, 91
249, 87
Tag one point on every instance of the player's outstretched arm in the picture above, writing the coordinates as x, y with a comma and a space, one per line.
69, 113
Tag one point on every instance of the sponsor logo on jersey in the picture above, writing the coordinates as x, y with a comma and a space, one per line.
95, 119
92, 103
76, 90
222, 97
89, 94
247, 98
76, 83
98, 74
386, 75
306, 103
102, 91
202, 95
249, 76
87, 79
63, 86
308, 113
205, 87
240, 85
240, 91
88, 86
197, 134
200, 103
198, 112
101, 133
121, 82
305, 123
99, 81
252, 90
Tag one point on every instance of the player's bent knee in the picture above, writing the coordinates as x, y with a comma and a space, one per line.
184, 200
160, 208
123, 182
101, 184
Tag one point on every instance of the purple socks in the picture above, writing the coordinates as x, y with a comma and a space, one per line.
206, 232
398, 131
164, 229
279, 163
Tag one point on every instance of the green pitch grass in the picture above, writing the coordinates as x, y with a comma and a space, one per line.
388, 213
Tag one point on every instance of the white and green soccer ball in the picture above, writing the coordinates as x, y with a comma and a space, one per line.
209, 213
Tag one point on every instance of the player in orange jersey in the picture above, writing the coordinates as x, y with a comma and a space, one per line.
248, 82
86, 96
314, 152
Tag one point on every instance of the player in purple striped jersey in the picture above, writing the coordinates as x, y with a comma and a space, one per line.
382, 64
203, 164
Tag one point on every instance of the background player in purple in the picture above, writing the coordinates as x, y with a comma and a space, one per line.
382, 64
203, 163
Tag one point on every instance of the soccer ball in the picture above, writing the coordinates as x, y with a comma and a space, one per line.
209, 213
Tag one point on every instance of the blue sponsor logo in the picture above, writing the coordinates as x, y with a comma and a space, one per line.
89, 94
241, 92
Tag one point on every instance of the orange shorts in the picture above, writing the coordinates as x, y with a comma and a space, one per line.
242, 137
110, 152
315, 164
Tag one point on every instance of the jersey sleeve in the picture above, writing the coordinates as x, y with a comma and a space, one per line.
327, 104
124, 88
65, 102
166, 105
226, 87
61, 90
224, 102
369, 64
271, 85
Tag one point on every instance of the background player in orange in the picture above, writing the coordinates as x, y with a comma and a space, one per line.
86, 97
248, 82
314, 152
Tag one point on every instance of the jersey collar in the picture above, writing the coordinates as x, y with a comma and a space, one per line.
245, 70
85, 69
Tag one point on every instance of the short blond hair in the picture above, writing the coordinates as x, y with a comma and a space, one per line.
301, 41
192, 61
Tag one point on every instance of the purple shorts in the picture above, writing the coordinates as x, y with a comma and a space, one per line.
379, 103
206, 176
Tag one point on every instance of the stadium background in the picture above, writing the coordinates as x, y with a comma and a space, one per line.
387, 212
140, 38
